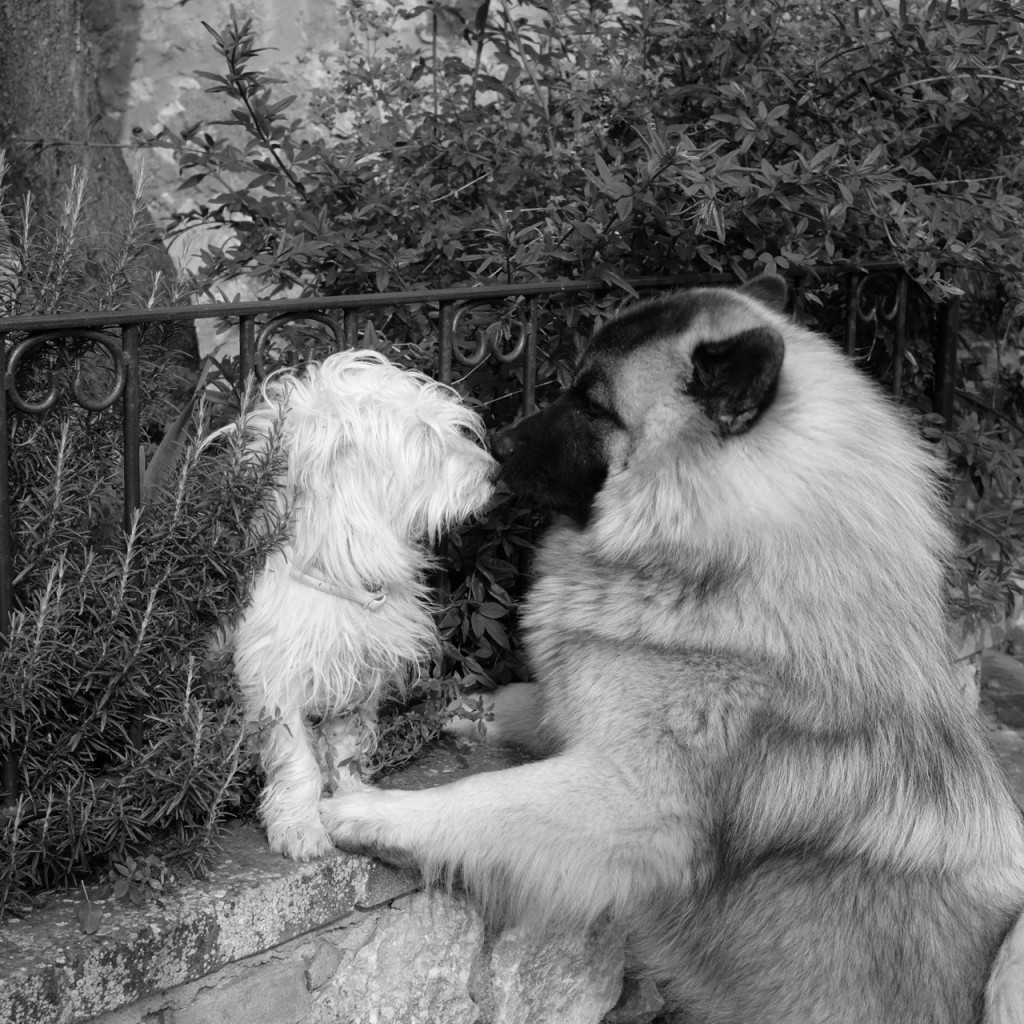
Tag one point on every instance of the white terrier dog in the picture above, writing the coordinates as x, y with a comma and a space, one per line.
379, 462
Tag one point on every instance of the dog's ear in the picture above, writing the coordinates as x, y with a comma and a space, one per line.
734, 380
769, 289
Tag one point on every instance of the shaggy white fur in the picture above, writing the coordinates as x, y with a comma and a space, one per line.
379, 462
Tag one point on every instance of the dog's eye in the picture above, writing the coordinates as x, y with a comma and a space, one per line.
595, 410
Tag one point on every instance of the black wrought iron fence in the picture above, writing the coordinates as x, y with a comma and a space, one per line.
871, 311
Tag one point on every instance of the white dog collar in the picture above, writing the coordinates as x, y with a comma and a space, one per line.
366, 599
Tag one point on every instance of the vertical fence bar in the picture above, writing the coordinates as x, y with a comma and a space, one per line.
350, 328
899, 348
246, 350
946, 338
10, 780
530, 359
445, 341
797, 291
130, 336
6, 565
852, 294
445, 349
9, 767
130, 424
337, 318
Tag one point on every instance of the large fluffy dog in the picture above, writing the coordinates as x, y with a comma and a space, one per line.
759, 756
379, 461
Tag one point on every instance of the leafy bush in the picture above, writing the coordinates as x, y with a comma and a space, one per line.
53, 268
622, 139
985, 449
641, 138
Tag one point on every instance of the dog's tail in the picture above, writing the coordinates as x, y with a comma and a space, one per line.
1004, 994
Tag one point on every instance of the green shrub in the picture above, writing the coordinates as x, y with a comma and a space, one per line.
125, 731
613, 140
119, 718
985, 449
642, 138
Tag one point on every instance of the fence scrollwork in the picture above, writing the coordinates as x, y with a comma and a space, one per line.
877, 325
277, 323
24, 355
876, 297
489, 342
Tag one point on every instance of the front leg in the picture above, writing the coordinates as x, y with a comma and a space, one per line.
569, 837
292, 789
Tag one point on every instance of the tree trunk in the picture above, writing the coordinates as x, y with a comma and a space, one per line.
52, 118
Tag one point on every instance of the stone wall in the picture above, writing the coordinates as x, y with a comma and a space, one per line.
264, 940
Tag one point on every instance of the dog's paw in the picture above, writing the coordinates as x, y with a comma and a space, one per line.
358, 822
346, 818
375, 822
306, 840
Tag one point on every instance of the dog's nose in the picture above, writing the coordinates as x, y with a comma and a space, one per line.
503, 444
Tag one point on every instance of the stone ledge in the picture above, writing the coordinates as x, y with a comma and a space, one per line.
251, 903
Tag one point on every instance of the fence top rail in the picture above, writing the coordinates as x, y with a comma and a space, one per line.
476, 292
